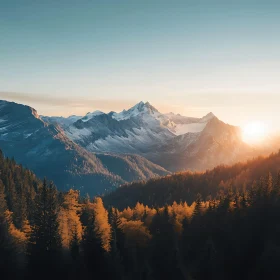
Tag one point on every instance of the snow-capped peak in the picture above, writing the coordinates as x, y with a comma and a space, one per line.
142, 107
139, 108
90, 115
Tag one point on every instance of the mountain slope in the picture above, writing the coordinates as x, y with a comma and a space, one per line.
61, 121
185, 186
217, 143
130, 131
131, 167
46, 150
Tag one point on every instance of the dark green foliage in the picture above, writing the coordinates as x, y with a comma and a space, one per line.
75, 246
163, 246
16, 184
93, 253
118, 251
45, 240
8, 263
3, 204
20, 186
233, 235
185, 186
198, 206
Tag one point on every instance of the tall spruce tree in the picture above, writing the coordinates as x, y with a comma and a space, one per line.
3, 203
93, 251
45, 240
198, 206
117, 244
164, 259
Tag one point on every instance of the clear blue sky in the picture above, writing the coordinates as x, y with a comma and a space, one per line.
64, 57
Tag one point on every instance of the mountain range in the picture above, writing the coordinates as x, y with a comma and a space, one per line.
100, 151
170, 140
45, 149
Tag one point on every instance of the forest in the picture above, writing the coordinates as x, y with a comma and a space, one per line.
184, 186
223, 230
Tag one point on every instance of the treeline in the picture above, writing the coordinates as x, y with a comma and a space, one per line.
184, 186
49, 234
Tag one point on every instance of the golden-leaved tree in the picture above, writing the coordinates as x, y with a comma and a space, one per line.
69, 218
102, 227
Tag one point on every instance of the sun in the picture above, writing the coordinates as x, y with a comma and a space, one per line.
254, 132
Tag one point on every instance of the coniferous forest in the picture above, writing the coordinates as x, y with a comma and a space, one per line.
230, 234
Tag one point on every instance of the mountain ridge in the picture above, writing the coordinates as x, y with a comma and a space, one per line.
143, 130
184, 186
45, 148
107, 150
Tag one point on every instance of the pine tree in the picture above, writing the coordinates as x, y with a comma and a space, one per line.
11, 193
276, 188
8, 254
198, 205
182, 255
7, 248
53, 235
185, 239
164, 259
118, 251
261, 189
45, 240
93, 251
20, 209
243, 202
3, 204
39, 226
75, 244
268, 186
2, 160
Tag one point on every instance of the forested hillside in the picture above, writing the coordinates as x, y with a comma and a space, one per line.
185, 186
47, 234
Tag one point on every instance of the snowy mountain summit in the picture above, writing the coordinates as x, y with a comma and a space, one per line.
173, 141
140, 108
145, 131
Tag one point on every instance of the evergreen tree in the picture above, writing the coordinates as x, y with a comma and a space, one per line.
12, 201
7, 248
3, 204
93, 251
20, 209
164, 259
117, 244
53, 235
8, 254
39, 226
198, 205
75, 245
276, 189
268, 186
244, 201
45, 240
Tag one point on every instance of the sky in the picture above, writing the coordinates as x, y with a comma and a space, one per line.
191, 57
